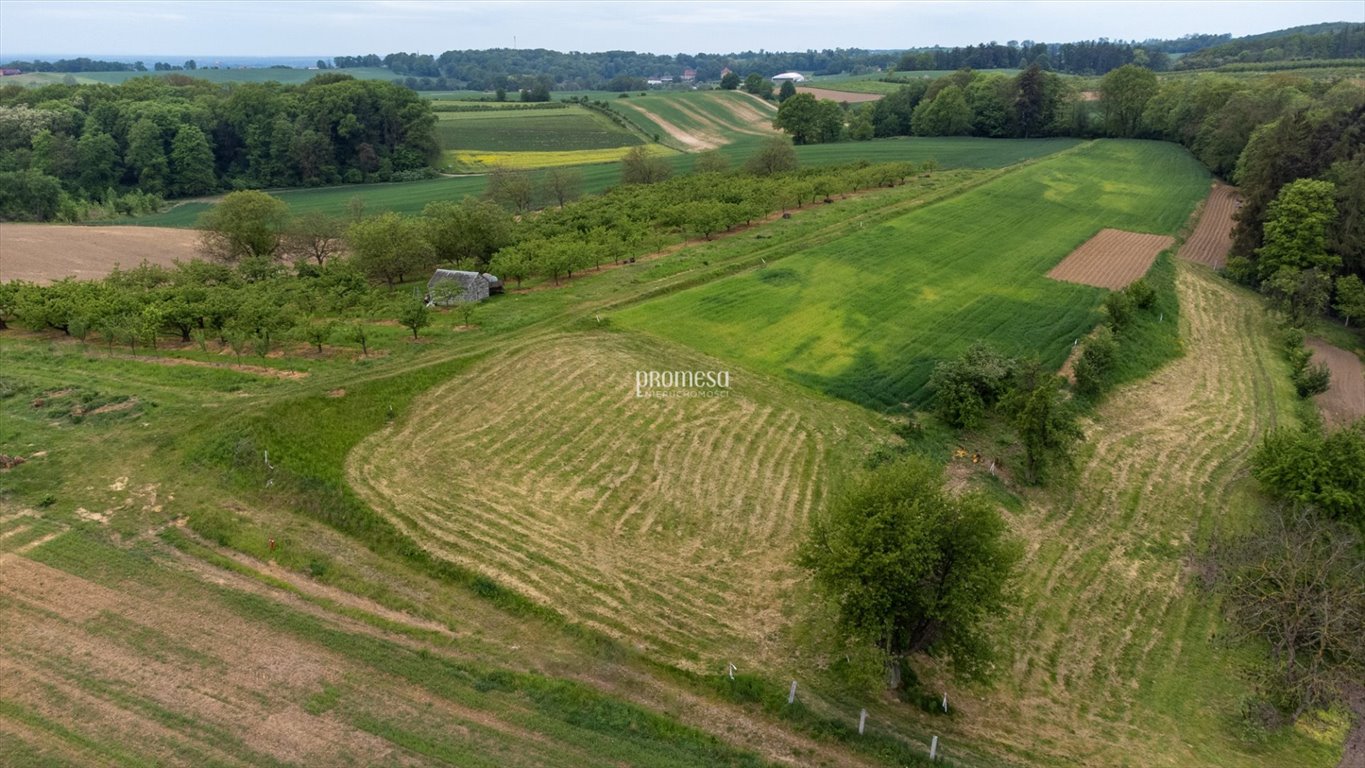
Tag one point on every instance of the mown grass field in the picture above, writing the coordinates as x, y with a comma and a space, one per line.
667, 522
866, 317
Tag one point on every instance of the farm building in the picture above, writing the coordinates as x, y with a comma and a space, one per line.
795, 77
463, 286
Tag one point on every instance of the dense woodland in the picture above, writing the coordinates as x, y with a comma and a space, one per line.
67, 148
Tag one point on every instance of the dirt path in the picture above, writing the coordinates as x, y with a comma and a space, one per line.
1212, 237
1344, 400
42, 253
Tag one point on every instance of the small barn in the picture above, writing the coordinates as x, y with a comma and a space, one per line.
795, 77
448, 286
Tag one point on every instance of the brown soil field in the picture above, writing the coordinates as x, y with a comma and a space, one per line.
694, 142
1344, 400
1111, 259
42, 253
1212, 237
841, 96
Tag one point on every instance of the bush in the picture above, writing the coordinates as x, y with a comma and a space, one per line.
1323, 471
1142, 294
1096, 361
1312, 380
1118, 309
966, 387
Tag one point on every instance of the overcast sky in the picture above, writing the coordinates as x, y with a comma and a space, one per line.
334, 27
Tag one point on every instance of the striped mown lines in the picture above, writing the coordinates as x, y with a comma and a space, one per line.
1115, 649
666, 521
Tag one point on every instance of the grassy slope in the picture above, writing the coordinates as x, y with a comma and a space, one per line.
1116, 652
1121, 686
866, 317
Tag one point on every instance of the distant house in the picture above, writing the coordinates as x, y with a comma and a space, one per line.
795, 77
7, 72
689, 75
725, 72
463, 286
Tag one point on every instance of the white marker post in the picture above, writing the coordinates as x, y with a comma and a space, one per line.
933, 749
791, 697
862, 721
945, 701
732, 671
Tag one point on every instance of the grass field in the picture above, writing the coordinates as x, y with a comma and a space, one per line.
1117, 651
574, 546
867, 316
252, 75
618, 509
409, 197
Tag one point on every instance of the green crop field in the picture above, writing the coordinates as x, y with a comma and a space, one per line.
867, 316
534, 130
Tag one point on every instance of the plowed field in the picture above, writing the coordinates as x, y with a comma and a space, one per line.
1344, 400
1111, 259
1212, 237
42, 253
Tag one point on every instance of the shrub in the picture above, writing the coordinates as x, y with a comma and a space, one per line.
1118, 309
1312, 380
1142, 294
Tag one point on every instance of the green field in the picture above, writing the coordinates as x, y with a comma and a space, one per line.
247, 75
699, 119
530, 130
867, 316
411, 196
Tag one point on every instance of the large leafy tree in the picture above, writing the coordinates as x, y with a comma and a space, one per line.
146, 156
191, 163
913, 568
947, 114
1295, 233
390, 247
247, 224
1124, 94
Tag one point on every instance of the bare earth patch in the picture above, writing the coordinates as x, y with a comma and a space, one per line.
1111, 259
1344, 400
1212, 237
42, 253
693, 142
841, 96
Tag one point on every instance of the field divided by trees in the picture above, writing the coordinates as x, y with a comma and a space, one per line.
867, 316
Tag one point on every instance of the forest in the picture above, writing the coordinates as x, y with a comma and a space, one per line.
65, 149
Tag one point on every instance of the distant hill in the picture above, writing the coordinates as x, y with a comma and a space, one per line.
1337, 40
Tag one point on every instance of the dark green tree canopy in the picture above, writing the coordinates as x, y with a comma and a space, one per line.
913, 568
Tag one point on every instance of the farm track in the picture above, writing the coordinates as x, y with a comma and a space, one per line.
1212, 237
1114, 651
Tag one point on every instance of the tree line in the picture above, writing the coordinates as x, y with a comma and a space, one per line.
1344, 41
67, 149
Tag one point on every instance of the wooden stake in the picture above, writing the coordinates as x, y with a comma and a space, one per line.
862, 721
933, 748
791, 697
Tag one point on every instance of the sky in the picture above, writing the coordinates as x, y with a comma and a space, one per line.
347, 27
